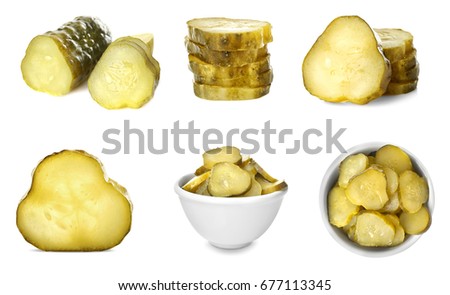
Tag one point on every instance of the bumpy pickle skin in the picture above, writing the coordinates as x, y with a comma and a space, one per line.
58, 61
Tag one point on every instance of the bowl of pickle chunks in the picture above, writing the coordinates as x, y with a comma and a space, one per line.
377, 199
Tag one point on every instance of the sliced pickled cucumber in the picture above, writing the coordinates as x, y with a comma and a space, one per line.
393, 157
405, 64
368, 189
228, 154
58, 61
260, 80
226, 34
255, 189
340, 209
406, 76
203, 188
225, 58
126, 76
250, 71
393, 205
210, 92
196, 182
415, 223
270, 187
73, 206
399, 231
228, 180
391, 180
413, 191
249, 165
346, 63
373, 229
396, 43
350, 167
395, 88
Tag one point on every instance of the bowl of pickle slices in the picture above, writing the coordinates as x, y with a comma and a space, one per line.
377, 199
230, 200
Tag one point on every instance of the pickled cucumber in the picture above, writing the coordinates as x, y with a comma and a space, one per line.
396, 43
127, 74
251, 70
73, 206
225, 58
228, 180
395, 88
226, 34
58, 61
393, 157
262, 79
406, 75
346, 63
229, 93
228, 154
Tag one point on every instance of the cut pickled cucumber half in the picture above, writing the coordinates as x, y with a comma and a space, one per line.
396, 88
225, 34
225, 58
373, 229
346, 63
196, 182
415, 223
228, 154
126, 76
406, 76
351, 166
249, 71
368, 189
413, 191
270, 187
58, 61
262, 79
228, 180
340, 209
210, 92
396, 43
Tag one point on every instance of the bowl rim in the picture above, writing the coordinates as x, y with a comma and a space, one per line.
323, 201
217, 200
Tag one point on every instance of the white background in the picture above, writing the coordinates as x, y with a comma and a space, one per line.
162, 244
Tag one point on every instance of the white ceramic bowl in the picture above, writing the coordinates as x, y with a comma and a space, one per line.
329, 181
229, 223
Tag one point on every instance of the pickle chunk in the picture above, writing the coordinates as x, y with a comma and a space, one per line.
58, 61
73, 206
127, 74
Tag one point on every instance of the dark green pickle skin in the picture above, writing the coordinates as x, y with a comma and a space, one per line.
82, 41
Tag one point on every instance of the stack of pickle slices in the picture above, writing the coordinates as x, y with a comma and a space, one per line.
229, 58
399, 50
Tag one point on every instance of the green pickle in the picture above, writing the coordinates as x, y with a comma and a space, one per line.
58, 61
